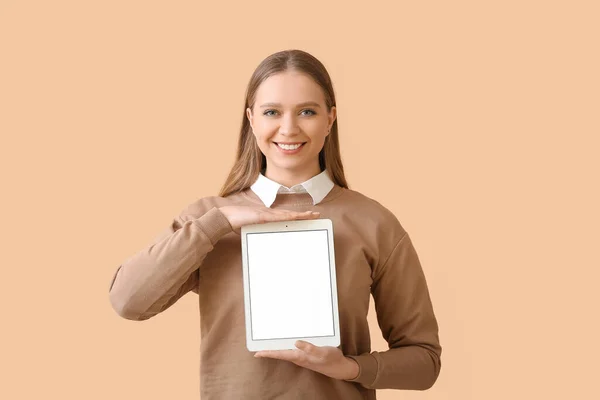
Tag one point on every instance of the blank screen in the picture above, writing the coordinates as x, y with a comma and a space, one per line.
290, 284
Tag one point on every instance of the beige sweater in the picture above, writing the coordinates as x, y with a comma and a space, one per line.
200, 252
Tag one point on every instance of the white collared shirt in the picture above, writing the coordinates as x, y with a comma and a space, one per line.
318, 187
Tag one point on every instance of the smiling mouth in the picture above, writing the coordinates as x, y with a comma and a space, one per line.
290, 148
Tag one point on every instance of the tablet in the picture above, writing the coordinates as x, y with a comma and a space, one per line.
290, 288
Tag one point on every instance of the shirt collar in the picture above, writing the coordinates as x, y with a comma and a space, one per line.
318, 187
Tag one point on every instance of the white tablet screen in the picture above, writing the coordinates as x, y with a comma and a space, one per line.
290, 284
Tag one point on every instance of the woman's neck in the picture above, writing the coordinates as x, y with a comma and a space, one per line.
289, 177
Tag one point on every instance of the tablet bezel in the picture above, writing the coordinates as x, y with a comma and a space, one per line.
288, 226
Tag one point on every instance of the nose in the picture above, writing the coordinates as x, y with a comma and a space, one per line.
289, 125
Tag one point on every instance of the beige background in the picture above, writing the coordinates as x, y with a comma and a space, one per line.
477, 124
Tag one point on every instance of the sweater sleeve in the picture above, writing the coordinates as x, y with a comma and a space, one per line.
154, 278
407, 321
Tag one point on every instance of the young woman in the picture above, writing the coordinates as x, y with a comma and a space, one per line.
289, 167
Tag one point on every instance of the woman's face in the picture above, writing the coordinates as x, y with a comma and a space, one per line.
290, 108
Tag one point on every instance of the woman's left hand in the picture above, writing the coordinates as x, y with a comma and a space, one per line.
326, 360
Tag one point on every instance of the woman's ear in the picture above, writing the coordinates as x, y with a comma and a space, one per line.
249, 116
332, 116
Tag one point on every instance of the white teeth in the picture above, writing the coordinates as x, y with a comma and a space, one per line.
289, 147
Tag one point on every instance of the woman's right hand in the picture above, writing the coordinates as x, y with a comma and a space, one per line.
239, 216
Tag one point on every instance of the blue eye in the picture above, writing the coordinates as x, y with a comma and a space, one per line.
268, 112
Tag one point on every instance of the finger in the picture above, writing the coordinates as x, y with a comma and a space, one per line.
284, 215
272, 216
309, 215
290, 213
309, 348
287, 355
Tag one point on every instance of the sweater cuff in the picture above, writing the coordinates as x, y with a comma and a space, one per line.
214, 224
367, 373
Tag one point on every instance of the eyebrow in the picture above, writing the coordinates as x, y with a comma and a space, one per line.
307, 103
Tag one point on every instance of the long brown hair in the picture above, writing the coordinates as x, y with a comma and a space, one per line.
250, 161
